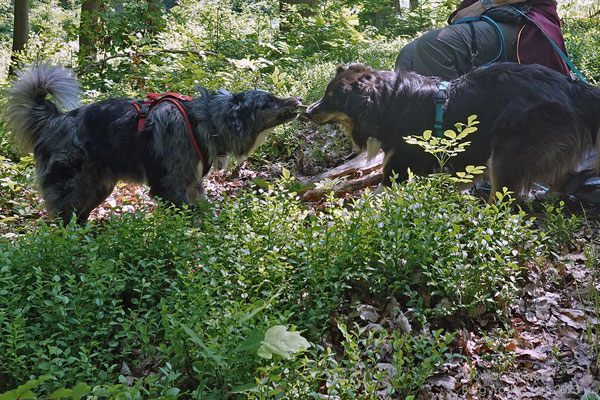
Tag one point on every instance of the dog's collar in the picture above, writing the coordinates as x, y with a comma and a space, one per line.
440, 100
153, 100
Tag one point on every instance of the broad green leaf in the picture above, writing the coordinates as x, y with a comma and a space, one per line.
253, 342
285, 173
80, 390
450, 134
261, 182
427, 135
280, 342
12, 395
61, 393
472, 119
243, 388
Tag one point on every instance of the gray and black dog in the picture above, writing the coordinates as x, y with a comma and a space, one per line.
82, 153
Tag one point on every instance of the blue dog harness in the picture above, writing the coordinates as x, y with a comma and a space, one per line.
440, 100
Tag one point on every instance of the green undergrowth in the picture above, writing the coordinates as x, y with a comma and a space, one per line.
167, 302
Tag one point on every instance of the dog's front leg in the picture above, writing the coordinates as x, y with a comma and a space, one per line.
195, 191
176, 195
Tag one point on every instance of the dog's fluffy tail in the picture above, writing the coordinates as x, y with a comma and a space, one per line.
28, 109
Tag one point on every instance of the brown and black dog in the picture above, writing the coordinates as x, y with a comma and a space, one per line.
535, 124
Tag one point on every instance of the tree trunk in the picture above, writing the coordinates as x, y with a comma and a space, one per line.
414, 4
382, 18
154, 21
88, 24
21, 31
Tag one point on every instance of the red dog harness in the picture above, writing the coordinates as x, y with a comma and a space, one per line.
154, 100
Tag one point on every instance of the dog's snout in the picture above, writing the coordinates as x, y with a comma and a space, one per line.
311, 110
295, 102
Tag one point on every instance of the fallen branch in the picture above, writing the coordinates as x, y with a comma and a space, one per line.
343, 188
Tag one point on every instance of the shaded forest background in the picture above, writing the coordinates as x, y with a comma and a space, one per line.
261, 293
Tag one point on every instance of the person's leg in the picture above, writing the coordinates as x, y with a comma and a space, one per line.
447, 52
488, 42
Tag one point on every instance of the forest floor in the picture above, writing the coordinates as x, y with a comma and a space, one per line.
546, 351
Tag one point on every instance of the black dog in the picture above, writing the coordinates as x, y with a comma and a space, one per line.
535, 124
81, 154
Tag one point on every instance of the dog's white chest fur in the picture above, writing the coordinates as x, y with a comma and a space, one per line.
262, 136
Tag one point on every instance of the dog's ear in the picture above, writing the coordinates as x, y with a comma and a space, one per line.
204, 92
366, 83
358, 67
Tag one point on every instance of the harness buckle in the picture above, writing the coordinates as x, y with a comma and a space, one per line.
144, 109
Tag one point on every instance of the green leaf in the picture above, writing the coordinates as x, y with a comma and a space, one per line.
285, 173
275, 76
280, 342
80, 390
450, 134
26, 394
204, 347
427, 135
469, 130
61, 393
24, 391
253, 342
471, 120
12, 395
243, 388
590, 396
261, 182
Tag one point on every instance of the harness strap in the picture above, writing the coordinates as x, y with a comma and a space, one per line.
496, 27
473, 45
440, 100
154, 100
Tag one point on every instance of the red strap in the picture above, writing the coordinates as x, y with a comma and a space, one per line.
153, 100
190, 131
182, 97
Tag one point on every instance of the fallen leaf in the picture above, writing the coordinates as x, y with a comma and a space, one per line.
533, 355
568, 336
444, 381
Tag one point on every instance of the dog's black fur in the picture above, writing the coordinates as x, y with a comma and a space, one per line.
81, 154
535, 123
